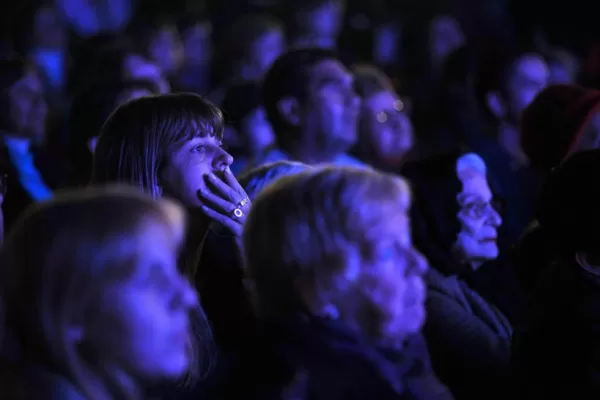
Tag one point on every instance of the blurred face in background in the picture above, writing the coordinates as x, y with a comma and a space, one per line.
445, 36
386, 44
141, 323
529, 76
48, 30
559, 74
332, 107
197, 44
28, 108
48, 45
386, 127
256, 131
166, 49
324, 21
136, 67
400, 271
265, 50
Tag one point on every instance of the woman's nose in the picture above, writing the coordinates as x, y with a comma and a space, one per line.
494, 218
222, 160
187, 295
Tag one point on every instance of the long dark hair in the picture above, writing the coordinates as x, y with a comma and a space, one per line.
136, 138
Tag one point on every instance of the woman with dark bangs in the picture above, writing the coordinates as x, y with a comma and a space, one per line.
98, 310
170, 145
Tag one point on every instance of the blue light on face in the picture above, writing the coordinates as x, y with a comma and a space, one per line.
52, 64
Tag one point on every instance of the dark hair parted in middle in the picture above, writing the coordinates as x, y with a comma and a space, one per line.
136, 139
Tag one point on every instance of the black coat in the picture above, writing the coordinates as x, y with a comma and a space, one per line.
315, 359
557, 353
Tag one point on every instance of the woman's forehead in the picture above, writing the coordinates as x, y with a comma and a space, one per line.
476, 184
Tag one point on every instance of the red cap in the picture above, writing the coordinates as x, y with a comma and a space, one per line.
552, 125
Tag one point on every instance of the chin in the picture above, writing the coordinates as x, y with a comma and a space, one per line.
489, 252
175, 368
417, 320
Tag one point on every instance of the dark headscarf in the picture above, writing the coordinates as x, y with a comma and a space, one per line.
435, 229
435, 224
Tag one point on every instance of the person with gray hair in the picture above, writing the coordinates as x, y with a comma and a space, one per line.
337, 289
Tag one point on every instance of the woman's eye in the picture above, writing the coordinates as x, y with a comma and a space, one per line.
199, 148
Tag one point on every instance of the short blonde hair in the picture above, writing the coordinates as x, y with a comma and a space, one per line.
60, 256
316, 227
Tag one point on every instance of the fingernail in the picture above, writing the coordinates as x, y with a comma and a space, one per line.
227, 170
212, 176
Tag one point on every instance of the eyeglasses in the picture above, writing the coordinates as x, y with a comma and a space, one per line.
477, 208
400, 107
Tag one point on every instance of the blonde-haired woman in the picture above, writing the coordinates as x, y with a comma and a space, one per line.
337, 287
93, 304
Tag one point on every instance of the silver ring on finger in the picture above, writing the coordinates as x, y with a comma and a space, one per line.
244, 201
238, 213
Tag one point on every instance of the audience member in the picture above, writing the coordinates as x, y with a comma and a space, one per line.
385, 132
309, 281
248, 132
170, 145
344, 307
23, 130
506, 84
315, 23
555, 353
98, 310
455, 225
311, 105
252, 46
196, 32
159, 39
561, 121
